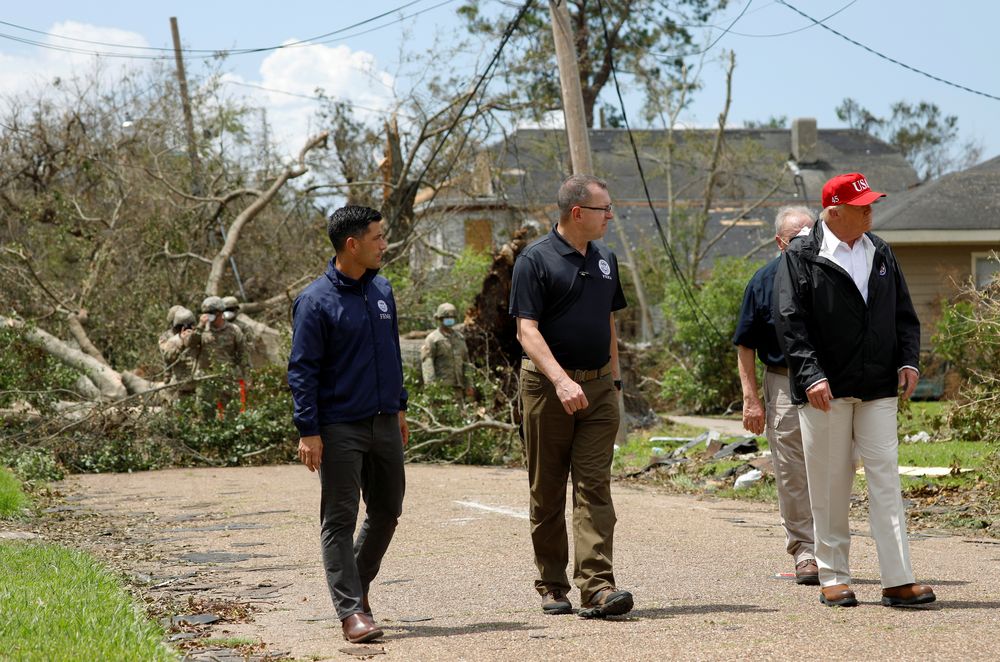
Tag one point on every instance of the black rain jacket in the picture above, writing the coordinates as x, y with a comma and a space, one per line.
827, 331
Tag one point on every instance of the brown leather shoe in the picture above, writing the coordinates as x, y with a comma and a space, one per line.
359, 628
807, 572
555, 602
607, 601
908, 595
838, 595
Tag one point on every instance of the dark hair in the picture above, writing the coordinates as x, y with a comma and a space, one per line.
349, 221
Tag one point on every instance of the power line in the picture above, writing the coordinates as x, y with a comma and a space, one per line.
886, 57
707, 48
688, 295
206, 54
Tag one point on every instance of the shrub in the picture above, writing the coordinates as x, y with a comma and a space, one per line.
704, 378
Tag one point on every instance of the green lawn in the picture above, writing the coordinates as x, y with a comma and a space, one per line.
59, 605
12, 499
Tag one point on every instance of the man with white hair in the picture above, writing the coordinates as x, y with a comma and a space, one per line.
779, 419
848, 330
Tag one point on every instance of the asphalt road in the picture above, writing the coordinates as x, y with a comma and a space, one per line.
457, 581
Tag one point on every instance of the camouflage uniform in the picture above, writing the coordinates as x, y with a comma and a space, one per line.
232, 315
444, 357
223, 352
180, 352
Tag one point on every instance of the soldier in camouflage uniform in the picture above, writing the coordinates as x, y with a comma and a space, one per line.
223, 352
232, 315
444, 357
170, 327
180, 350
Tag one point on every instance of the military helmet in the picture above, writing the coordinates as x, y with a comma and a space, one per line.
445, 310
170, 314
212, 305
231, 303
184, 317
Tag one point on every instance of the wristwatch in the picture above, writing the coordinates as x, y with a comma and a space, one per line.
618, 384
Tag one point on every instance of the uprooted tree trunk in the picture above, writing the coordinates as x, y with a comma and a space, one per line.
101, 374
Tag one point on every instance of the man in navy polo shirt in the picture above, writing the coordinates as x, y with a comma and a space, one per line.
346, 377
564, 293
779, 420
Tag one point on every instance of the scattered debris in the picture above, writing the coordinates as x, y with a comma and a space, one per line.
917, 437
748, 479
194, 619
741, 447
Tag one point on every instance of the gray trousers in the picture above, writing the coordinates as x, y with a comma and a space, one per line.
361, 457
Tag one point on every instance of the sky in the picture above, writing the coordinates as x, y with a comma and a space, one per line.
785, 65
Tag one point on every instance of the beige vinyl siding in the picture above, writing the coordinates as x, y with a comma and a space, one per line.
934, 273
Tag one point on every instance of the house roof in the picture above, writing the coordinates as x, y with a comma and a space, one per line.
961, 206
534, 161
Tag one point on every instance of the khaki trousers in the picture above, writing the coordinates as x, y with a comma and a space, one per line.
559, 445
784, 437
829, 440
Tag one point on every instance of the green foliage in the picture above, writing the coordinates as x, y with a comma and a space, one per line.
418, 295
60, 605
264, 432
433, 407
12, 499
28, 374
967, 336
635, 29
34, 464
704, 378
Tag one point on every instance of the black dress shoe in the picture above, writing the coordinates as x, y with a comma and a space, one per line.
908, 595
359, 628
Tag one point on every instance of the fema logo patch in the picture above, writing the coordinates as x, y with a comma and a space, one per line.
605, 268
384, 307
881, 270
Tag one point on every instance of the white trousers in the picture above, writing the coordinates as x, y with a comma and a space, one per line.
831, 440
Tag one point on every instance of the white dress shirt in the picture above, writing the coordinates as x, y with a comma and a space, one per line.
856, 261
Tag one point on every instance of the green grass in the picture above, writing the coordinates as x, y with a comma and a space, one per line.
60, 605
12, 499
967, 454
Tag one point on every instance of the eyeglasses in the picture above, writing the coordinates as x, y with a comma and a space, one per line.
607, 210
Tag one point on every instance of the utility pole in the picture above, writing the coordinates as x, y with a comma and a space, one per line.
186, 106
572, 95
196, 182
580, 157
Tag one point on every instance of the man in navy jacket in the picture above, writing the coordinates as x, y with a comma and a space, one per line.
346, 376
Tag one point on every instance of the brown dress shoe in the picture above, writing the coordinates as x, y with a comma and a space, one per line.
807, 572
838, 595
359, 628
908, 595
555, 602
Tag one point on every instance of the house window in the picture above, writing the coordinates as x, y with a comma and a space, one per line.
479, 235
985, 268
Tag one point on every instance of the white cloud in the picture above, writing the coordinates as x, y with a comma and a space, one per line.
21, 73
351, 76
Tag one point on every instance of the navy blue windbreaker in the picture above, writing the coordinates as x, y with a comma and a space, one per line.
345, 363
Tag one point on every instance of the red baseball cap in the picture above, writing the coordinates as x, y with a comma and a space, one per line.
849, 189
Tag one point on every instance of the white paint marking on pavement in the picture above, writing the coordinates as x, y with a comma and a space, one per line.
500, 510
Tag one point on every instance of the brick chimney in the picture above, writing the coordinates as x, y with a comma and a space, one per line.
804, 137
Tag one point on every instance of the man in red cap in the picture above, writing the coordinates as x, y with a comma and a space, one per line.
851, 338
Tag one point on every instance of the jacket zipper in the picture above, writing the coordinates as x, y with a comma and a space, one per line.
371, 326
